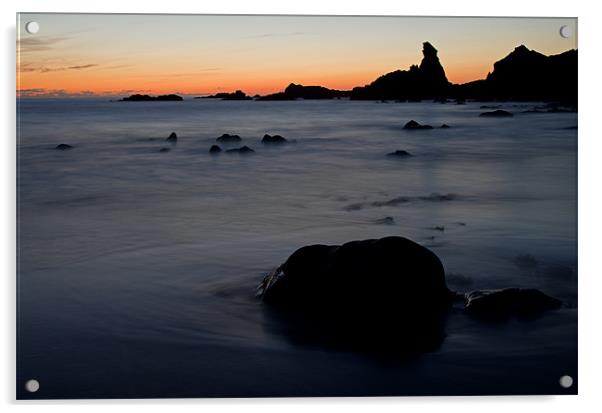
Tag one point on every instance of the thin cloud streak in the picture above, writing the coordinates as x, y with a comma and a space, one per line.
38, 44
46, 69
62, 93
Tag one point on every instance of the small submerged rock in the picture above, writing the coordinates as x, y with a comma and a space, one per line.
497, 114
164, 150
504, 303
413, 125
63, 147
172, 138
227, 138
400, 153
242, 150
215, 149
273, 139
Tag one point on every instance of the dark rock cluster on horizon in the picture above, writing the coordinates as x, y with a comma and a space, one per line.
238, 95
522, 75
293, 92
148, 98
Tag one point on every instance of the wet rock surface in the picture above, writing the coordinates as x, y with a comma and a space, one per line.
413, 125
508, 302
227, 138
63, 147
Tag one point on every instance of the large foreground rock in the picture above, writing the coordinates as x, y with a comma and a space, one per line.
376, 292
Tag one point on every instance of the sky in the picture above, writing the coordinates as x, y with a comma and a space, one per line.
114, 55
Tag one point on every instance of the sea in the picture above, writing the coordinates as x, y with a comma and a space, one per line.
137, 268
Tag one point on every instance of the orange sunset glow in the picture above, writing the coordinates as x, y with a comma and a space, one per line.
75, 55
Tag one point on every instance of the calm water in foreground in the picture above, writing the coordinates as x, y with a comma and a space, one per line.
137, 268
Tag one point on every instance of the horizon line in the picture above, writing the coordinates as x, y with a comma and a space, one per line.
66, 94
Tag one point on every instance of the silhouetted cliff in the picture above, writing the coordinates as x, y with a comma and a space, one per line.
427, 81
294, 91
526, 75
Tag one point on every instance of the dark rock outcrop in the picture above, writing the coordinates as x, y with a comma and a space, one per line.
499, 113
242, 150
293, 92
172, 138
273, 139
427, 81
164, 150
400, 153
227, 138
522, 75
238, 95
63, 147
508, 302
413, 125
527, 75
215, 149
148, 98
445, 126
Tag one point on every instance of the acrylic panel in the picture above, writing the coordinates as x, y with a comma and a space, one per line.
278, 206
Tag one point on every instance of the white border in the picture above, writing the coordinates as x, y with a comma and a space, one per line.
589, 200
